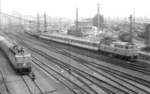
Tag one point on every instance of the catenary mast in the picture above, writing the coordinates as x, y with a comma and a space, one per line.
98, 14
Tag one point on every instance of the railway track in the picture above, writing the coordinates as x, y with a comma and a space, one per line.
136, 66
106, 69
4, 82
76, 75
29, 86
108, 91
138, 83
130, 85
120, 74
90, 77
74, 88
30, 91
114, 74
139, 65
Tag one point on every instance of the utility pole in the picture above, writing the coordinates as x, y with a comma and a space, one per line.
77, 19
131, 29
147, 32
133, 26
0, 15
45, 23
38, 23
98, 14
30, 23
133, 17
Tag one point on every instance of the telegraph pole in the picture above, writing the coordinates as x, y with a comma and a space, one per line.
147, 39
30, 23
45, 23
0, 15
98, 14
77, 19
38, 23
133, 18
131, 29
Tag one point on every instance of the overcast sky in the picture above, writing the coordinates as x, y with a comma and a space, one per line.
87, 8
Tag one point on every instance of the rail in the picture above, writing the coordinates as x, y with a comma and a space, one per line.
3, 78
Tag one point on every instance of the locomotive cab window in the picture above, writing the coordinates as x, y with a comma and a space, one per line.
12, 51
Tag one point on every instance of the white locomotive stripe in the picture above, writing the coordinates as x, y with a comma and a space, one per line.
27, 55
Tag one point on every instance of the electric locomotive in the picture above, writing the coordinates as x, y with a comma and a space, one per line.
19, 59
118, 49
